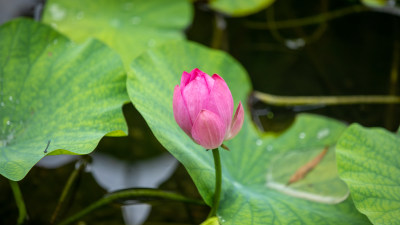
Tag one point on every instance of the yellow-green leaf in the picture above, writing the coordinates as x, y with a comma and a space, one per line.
127, 26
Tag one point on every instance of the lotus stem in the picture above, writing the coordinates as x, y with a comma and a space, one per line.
312, 20
130, 193
218, 31
325, 100
393, 83
218, 181
67, 188
22, 214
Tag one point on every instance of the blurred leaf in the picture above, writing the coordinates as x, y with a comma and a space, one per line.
54, 95
246, 197
240, 7
375, 3
368, 161
127, 26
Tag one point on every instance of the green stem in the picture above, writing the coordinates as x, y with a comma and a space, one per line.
309, 20
218, 32
20, 202
131, 193
325, 100
71, 180
394, 80
218, 181
271, 23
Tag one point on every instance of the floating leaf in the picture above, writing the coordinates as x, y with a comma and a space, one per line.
305, 169
128, 26
246, 197
321, 184
369, 162
54, 95
240, 7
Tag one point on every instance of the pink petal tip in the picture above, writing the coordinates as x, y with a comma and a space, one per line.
237, 123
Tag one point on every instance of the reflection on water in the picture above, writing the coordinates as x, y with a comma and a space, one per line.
56, 161
113, 174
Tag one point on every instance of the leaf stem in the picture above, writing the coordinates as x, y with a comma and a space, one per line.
325, 100
218, 31
394, 79
306, 21
71, 180
20, 202
218, 181
130, 193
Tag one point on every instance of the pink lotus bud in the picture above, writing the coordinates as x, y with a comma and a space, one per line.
203, 108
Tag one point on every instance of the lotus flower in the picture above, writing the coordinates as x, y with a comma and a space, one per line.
203, 108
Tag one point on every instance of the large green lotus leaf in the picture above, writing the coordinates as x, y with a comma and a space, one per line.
54, 95
247, 197
369, 162
128, 26
239, 7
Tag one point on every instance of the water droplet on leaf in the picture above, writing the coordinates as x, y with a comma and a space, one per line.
323, 133
136, 20
57, 13
237, 185
222, 220
80, 15
115, 23
128, 6
151, 43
